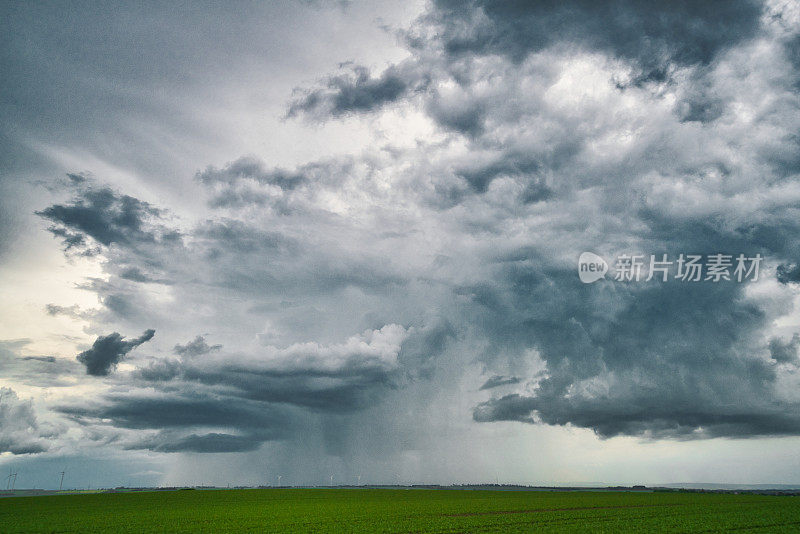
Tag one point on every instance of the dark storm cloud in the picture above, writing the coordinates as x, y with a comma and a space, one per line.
581, 126
358, 91
108, 351
627, 372
196, 347
178, 411
182, 421
20, 432
655, 38
652, 34
663, 360
104, 216
498, 380
684, 421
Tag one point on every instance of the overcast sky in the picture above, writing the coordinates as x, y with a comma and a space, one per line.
311, 239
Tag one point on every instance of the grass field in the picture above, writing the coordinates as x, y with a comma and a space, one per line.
397, 510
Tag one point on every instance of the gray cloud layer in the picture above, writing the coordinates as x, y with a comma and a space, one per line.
233, 402
348, 291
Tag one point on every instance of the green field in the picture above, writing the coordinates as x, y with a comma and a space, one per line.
398, 510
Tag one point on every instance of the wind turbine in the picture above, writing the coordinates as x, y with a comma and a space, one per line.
359, 479
331, 480
279, 479
61, 484
13, 481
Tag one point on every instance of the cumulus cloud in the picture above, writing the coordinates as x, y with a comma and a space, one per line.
108, 351
20, 432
